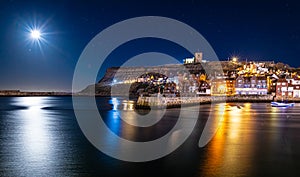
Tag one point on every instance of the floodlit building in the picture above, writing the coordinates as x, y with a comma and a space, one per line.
218, 86
188, 60
255, 85
230, 86
288, 87
282, 87
198, 56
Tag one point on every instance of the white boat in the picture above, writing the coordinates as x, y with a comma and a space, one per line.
282, 104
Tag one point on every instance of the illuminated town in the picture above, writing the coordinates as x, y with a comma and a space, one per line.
239, 78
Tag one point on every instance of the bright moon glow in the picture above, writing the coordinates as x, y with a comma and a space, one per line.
36, 34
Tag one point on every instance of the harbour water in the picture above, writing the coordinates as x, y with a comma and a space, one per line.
39, 136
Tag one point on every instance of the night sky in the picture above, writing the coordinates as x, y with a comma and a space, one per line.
251, 30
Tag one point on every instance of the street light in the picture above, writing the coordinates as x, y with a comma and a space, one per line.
234, 59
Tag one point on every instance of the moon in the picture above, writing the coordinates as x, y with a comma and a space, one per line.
35, 34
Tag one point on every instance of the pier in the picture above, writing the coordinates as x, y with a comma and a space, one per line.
160, 101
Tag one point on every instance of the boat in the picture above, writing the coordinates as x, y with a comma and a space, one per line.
282, 104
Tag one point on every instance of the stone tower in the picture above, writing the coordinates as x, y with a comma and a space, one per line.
198, 57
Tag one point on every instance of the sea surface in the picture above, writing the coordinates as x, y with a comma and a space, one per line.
40, 136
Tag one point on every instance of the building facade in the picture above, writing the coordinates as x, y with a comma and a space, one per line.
282, 89
255, 85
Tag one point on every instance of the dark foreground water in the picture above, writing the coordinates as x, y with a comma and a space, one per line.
39, 136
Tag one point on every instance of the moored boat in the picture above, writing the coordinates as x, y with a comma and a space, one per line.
282, 104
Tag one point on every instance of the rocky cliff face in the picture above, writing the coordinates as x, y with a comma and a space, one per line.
106, 84
123, 77
108, 77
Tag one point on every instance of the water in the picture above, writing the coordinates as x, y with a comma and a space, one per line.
39, 136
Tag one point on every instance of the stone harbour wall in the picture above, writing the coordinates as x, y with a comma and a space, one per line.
169, 102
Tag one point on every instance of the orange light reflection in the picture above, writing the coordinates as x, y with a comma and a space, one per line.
225, 148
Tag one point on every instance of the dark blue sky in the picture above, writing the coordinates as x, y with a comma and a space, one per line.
255, 30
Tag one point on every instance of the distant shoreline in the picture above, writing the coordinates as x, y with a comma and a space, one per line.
35, 96
16, 93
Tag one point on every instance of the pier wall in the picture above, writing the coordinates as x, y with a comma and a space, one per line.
160, 101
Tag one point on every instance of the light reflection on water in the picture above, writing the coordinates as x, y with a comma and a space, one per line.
126, 105
226, 149
40, 137
30, 138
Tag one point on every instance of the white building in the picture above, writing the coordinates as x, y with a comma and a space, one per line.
188, 60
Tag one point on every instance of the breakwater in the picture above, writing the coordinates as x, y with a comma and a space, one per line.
170, 102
